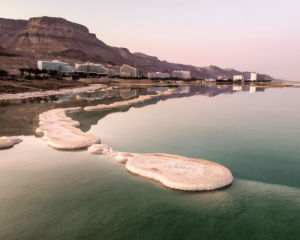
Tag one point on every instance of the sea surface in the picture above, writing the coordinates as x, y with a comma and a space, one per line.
254, 132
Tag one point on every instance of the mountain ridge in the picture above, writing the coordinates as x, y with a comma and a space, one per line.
47, 38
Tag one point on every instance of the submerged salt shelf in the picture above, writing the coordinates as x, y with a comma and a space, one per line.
9, 142
61, 131
90, 88
173, 171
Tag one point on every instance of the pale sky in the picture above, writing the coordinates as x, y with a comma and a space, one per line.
258, 35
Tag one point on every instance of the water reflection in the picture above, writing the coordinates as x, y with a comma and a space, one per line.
21, 116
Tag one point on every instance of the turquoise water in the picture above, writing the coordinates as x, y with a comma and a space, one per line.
50, 194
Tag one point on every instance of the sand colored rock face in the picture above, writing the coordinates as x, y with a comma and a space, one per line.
60, 131
173, 171
9, 142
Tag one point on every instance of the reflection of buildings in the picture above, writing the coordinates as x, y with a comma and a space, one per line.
111, 93
158, 75
257, 77
237, 88
91, 96
134, 72
129, 93
182, 89
182, 74
252, 89
63, 98
256, 89
158, 89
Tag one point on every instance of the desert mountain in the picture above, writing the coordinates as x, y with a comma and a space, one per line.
23, 42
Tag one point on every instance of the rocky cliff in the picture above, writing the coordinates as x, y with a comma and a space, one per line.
26, 41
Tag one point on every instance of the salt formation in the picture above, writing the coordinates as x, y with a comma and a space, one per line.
90, 88
173, 171
9, 142
133, 101
60, 131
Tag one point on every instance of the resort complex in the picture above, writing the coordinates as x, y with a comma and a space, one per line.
127, 71
182, 74
91, 68
158, 75
134, 72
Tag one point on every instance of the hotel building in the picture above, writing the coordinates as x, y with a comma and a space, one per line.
257, 77
52, 65
238, 78
91, 68
111, 72
181, 74
158, 75
135, 72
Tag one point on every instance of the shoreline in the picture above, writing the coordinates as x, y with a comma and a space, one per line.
86, 85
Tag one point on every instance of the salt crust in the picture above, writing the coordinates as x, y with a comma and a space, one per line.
128, 103
173, 171
90, 88
9, 142
60, 131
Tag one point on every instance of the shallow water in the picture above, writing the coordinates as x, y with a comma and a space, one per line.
50, 194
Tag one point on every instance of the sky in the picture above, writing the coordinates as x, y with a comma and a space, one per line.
261, 36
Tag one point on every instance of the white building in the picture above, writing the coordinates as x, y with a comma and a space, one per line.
158, 75
257, 77
91, 68
224, 78
111, 72
210, 80
182, 74
238, 78
52, 65
124, 74
135, 72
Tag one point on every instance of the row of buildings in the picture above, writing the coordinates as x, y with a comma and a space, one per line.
241, 78
175, 74
89, 68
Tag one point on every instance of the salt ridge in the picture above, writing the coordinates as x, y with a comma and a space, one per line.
61, 132
173, 171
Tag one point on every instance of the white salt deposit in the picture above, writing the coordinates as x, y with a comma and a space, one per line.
60, 131
90, 88
173, 171
9, 141
127, 103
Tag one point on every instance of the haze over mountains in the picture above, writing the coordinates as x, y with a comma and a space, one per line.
23, 42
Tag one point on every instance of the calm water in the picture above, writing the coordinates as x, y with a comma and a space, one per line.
50, 194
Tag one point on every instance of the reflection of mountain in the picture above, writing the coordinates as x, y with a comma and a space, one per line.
23, 118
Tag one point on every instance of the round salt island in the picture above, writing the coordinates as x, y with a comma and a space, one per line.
180, 172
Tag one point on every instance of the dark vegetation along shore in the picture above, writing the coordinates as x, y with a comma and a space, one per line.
30, 83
